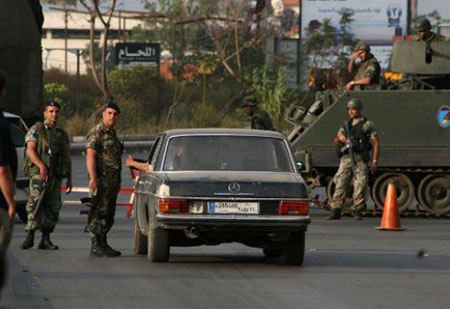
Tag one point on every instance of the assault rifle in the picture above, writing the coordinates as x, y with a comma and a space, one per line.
350, 144
41, 199
91, 203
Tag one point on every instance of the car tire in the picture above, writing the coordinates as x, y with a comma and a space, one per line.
22, 212
294, 251
272, 252
140, 240
158, 245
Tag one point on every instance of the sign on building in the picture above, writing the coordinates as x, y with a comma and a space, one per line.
130, 54
375, 22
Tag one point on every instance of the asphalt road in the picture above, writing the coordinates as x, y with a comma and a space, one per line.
348, 264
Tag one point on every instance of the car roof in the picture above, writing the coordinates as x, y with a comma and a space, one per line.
10, 115
224, 131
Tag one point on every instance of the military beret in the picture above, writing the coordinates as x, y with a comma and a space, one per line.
51, 103
113, 105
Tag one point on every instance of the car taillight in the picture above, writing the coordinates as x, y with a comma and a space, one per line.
293, 208
173, 206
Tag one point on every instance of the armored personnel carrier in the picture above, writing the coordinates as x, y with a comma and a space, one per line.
409, 114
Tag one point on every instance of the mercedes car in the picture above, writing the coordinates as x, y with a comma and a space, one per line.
213, 186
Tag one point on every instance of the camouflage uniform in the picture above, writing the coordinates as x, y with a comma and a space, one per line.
260, 120
368, 68
108, 155
360, 173
433, 37
53, 149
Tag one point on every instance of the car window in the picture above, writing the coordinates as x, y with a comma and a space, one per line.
17, 136
155, 149
228, 153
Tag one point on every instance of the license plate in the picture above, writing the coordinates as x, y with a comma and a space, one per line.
234, 207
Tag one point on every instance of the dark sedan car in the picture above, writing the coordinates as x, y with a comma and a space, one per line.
211, 186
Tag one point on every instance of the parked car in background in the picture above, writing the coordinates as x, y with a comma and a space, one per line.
18, 131
213, 186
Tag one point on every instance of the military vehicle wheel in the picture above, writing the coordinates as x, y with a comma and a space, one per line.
403, 185
294, 251
140, 240
434, 193
272, 252
348, 196
158, 245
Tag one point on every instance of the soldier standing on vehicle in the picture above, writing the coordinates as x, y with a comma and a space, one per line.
367, 71
47, 163
260, 120
354, 140
8, 171
104, 152
424, 33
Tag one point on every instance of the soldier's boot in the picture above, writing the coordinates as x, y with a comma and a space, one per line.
336, 215
97, 248
29, 241
111, 250
357, 214
46, 243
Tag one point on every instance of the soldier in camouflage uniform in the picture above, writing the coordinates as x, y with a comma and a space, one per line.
364, 136
104, 152
260, 120
367, 71
424, 33
47, 163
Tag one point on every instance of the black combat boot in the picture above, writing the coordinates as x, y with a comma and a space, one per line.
29, 241
111, 250
357, 214
97, 248
336, 215
46, 243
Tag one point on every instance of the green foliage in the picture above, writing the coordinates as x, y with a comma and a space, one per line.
58, 92
138, 91
76, 125
271, 91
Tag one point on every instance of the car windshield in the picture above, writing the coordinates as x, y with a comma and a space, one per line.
227, 153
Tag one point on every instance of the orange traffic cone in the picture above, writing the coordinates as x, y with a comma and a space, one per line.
391, 217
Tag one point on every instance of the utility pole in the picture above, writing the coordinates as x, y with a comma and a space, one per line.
65, 35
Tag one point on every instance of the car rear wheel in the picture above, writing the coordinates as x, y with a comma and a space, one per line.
140, 240
294, 251
272, 252
158, 245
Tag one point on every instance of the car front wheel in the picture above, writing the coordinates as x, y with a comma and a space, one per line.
294, 251
140, 240
271, 252
158, 245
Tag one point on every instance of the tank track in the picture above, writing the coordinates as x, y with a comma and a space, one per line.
418, 211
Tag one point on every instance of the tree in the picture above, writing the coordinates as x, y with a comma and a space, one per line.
103, 10
328, 48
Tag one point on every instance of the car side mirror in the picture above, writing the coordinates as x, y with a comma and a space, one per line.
300, 165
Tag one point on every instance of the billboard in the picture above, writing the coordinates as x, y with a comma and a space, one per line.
137, 53
375, 22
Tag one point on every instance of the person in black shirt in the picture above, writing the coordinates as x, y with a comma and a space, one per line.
8, 171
